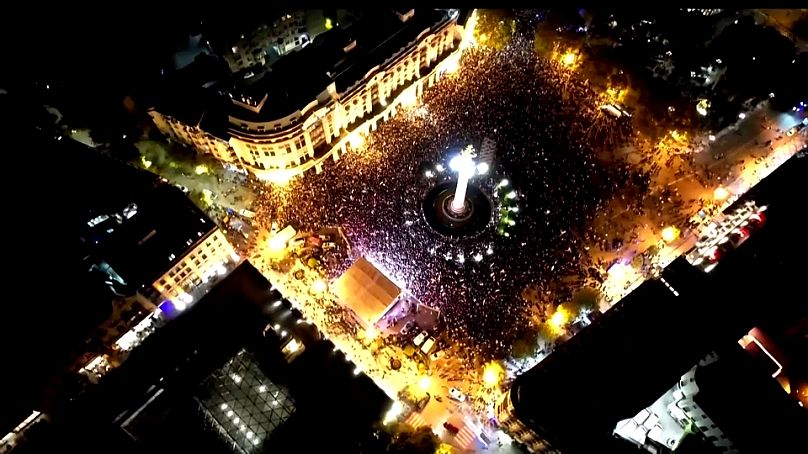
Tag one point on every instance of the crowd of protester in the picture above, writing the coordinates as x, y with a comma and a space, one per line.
550, 135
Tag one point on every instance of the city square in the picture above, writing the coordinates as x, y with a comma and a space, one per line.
423, 230
548, 183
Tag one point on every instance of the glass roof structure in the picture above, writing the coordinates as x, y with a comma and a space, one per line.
242, 404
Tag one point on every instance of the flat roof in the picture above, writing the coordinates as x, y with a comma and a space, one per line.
618, 365
748, 405
365, 290
167, 224
297, 78
163, 222
193, 359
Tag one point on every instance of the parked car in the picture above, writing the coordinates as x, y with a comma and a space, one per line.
419, 339
456, 394
427, 347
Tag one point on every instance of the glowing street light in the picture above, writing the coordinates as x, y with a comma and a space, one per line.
511, 195
451, 65
721, 193
394, 412
371, 333
408, 98
492, 374
356, 140
463, 164
319, 286
670, 234
482, 168
568, 59
618, 271
425, 382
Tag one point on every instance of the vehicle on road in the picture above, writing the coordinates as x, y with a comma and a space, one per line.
451, 428
428, 344
419, 339
456, 394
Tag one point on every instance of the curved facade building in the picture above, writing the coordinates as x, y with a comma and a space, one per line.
313, 104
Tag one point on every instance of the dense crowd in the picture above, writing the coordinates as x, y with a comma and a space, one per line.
549, 133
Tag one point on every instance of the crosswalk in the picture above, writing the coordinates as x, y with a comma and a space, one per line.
415, 420
466, 439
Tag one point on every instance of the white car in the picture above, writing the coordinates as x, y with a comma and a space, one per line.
457, 395
419, 339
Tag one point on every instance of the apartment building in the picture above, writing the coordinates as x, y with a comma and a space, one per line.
316, 104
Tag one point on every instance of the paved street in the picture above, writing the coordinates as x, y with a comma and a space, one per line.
226, 185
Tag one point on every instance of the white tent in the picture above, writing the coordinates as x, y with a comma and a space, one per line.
366, 291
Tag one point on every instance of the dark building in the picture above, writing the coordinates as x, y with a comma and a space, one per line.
749, 408
240, 370
133, 225
638, 349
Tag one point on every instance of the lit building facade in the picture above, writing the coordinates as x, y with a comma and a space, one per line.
689, 410
211, 256
278, 143
506, 416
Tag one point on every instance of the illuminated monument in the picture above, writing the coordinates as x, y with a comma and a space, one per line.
464, 211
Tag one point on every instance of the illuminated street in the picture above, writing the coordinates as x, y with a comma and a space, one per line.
412, 230
383, 223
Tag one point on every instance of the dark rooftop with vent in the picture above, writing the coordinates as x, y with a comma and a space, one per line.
131, 220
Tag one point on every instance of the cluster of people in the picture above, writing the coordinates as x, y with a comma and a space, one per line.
550, 134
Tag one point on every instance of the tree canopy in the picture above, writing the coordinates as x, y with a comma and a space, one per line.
495, 27
525, 344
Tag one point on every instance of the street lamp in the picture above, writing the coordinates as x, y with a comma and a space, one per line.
721, 193
492, 374
670, 234
425, 382
319, 286
568, 59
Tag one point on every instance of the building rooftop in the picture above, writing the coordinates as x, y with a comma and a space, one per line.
297, 78
130, 220
748, 405
610, 370
223, 350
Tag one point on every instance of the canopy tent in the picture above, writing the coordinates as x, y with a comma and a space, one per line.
366, 291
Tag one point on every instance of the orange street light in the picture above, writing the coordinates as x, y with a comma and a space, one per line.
425, 382
721, 193
492, 374
670, 234
559, 319
568, 59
